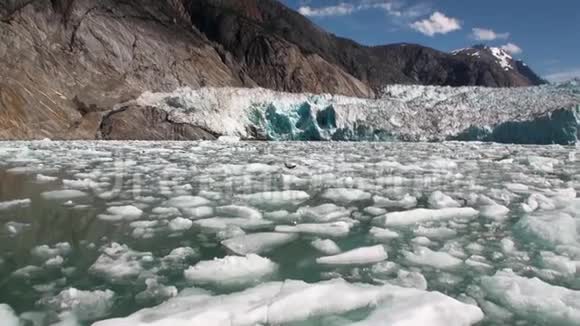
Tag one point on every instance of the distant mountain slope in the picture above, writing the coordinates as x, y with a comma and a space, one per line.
66, 63
255, 31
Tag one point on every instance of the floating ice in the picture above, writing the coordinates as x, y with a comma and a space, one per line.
423, 308
358, 256
494, 212
216, 224
292, 302
198, 212
374, 211
381, 234
560, 264
345, 195
8, 316
439, 233
155, 292
327, 246
334, 229
533, 299
128, 212
180, 224
424, 256
187, 202
424, 215
45, 178
239, 211
231, 271
549, 229
63, 194
323, 213
258, 243
45, 252
440, 200
276, 199
14, 203
118, 263
408, 279
84, 305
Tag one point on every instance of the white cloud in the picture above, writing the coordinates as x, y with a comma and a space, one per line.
512, 48
563, 76
344, 9
438, 23
341, 9
483, 34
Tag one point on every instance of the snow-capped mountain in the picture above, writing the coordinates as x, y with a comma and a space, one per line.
500, 60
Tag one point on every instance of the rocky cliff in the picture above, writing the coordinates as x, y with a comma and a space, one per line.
65, 64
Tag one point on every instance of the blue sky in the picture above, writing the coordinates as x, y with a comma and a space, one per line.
545, 34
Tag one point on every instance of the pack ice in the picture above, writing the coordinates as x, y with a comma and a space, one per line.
289, 302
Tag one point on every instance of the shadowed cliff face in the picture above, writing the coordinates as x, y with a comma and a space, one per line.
65, 63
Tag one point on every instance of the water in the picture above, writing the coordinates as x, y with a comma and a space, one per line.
145, 175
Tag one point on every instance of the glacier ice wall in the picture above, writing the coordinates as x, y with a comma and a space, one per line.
534, 115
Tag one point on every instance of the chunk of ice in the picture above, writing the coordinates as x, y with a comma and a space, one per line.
381, 234
84, 305
323, 213
118, 263
423, 308
239, 211
533, 299
231, 271
424, 256
258, 243
63, 194
187, 202
424, 215
440, 200
549, 229
180, 224
334, 229
8, 316
494, 212
327, 246
128, 212
296, 302
276, 199
14, 204
345, 195
216, 224
358, 256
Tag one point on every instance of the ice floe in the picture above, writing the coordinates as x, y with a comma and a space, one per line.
231, 271
297, 302
257, 243
358, 256
423, 215
533, 299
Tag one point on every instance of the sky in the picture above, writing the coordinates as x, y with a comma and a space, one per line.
545, 34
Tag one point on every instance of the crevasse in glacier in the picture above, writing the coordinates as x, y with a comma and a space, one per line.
533, 115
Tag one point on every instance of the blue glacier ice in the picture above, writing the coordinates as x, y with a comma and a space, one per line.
546, 114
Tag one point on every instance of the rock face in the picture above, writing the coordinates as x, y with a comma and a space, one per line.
148, 123
66, 63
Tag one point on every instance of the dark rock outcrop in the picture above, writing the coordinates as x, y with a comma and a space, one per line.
65, 63
148, 123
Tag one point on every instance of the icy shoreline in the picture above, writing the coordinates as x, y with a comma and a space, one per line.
534, 115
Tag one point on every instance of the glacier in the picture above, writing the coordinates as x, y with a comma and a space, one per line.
547, 114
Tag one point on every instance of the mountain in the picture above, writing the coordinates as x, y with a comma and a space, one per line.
66, 65
497, 59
